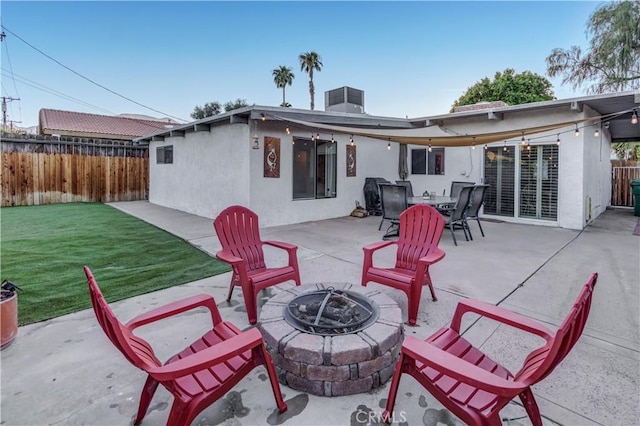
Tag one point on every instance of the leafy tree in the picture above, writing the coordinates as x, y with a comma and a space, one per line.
509, 87
209, 109
238, 103
612, 61
283, 77
627, 151
214, 108
310, 61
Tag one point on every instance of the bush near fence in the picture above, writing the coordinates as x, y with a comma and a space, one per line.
48, 170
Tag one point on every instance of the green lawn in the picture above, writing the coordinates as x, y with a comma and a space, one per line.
43, 250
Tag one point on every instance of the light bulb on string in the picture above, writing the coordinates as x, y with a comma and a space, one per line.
634, 117
430, 145
389, 145
522, 141
596, 133
577, 131
505, 149
351, 140
473, 143
558, 140
332, 139
288, 130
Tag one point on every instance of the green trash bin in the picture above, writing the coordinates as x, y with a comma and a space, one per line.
635, 189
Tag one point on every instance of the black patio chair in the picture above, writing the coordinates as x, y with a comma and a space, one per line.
393, 199
456, 217
406, 183
456, 186
476, 201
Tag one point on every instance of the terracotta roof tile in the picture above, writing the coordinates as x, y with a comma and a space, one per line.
81, 124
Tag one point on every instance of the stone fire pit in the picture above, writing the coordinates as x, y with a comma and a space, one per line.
333, 365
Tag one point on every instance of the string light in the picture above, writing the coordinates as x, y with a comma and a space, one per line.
312, 137
505, 149
473, 143
528, 144
351, 140
389, 145
486, 147
596, 133
288, 130
577, 130
522, 142
634, 117
430, 145
332, 139
317, 136
558, 140
263, 117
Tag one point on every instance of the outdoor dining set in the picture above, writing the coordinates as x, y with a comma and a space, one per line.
461, 205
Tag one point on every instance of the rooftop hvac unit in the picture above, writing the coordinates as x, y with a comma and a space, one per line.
344, 99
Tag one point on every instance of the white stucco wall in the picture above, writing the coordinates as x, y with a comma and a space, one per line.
210, 171
460, 164
218, 168
272, 198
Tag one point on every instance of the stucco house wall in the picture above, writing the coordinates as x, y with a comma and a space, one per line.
272, 198
210, 169
219, 167
214, 169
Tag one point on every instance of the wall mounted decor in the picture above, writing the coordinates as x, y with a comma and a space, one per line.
351, 160
271, 157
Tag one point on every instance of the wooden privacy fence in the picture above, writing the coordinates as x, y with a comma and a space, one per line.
46, 171
622, 173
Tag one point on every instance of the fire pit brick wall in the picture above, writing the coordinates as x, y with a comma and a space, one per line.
332, 365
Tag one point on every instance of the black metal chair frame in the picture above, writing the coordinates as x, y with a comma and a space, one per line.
475, 202
406, 183
393, 199
457, 216
457, 185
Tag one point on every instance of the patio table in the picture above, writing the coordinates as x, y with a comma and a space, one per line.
439, 200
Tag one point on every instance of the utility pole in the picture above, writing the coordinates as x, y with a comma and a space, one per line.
6, 99
11, 125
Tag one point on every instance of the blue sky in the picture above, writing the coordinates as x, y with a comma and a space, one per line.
410, 58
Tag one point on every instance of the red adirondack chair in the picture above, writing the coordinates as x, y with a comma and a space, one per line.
239, 234
420, 231
198, 375
470, 384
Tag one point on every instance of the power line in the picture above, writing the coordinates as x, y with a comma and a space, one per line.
52, 91
6, 48
86, 78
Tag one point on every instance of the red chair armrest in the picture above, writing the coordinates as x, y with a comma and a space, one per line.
227, 257
498, 314
281, 244
436, 255
208, 357
177, 307
377, 246
458, 368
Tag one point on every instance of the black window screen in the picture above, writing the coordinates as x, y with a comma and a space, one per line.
419, 161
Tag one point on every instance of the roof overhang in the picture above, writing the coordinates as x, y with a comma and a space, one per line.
452, 129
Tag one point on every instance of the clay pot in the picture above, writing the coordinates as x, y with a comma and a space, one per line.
8, 318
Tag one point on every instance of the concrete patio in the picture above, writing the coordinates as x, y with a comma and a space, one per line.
65, 371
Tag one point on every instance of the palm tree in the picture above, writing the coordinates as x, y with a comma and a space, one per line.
310, 61
283, 77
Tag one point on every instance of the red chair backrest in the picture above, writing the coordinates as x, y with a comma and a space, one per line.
421, 228
238, 232
135, 349
541, 362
